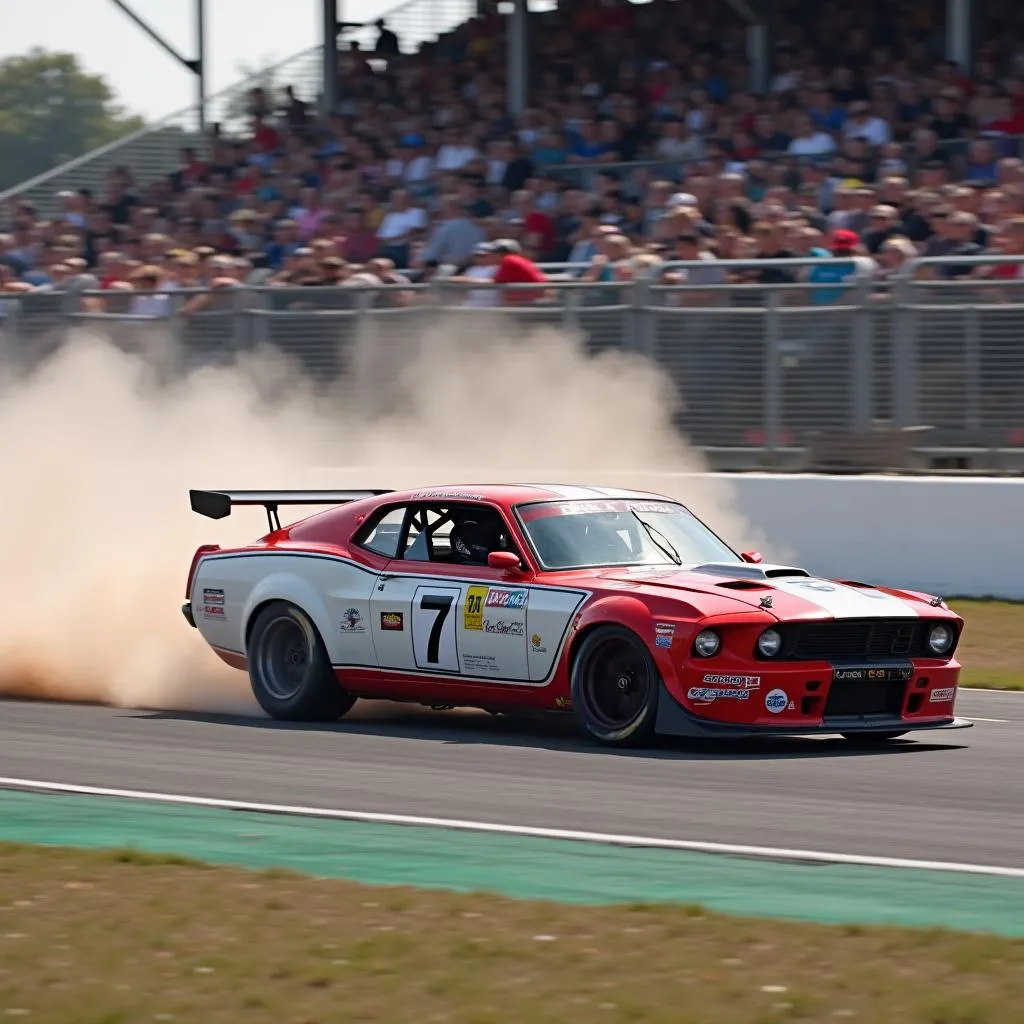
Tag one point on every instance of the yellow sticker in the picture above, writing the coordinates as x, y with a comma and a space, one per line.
473, 616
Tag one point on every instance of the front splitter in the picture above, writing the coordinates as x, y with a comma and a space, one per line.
674, 720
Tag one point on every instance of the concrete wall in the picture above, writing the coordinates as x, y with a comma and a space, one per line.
942, 535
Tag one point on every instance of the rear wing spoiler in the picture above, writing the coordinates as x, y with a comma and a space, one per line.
218, 504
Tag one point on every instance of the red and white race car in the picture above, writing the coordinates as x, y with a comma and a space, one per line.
619, 606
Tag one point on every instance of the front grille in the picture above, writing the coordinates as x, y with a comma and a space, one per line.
864, 698
853, 640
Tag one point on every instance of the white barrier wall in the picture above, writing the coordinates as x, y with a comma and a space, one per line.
942, 535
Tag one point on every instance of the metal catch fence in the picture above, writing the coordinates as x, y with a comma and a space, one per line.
764, 373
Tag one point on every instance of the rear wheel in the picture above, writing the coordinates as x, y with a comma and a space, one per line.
871, 739
290, 670
615, 687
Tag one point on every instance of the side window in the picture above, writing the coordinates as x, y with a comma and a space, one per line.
384, 535
457, 535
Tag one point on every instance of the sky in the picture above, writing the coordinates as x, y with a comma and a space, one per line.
148, 81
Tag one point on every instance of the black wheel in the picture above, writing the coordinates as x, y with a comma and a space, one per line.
615, 687
871, 739
289, 669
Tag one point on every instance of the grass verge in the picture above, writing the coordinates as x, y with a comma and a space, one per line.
106, 938
992, 650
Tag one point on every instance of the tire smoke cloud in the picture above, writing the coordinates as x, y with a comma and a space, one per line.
102, 444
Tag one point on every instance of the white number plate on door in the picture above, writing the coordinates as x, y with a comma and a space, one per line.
434, 628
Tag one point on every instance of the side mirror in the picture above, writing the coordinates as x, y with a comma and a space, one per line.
507, 560
754, 557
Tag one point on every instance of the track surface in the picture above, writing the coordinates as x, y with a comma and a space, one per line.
953, 796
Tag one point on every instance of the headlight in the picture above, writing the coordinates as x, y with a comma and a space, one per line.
940, 639
769, 643
707, 643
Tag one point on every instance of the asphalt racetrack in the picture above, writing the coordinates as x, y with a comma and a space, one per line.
953, 796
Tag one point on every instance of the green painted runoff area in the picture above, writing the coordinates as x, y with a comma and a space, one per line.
558, 870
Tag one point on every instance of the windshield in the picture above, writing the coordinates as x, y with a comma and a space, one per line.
580, 534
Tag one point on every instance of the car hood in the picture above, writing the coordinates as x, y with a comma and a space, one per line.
783, 591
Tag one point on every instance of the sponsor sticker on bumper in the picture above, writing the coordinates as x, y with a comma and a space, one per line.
709, 693
736, 682
872, 673
946, 693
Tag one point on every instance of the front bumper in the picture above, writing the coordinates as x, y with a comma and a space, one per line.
674, 720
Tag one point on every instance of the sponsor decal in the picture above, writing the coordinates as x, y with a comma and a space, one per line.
480, 665
737, 682
503, 627
537, 644
563, 702
663, 634
946, 693
213, 611
776, 701
581, 508
651, 506
473, 616
899, 674
212, 596
578, 508
352, 621
708, 694
393, 621
448, 493
498, 597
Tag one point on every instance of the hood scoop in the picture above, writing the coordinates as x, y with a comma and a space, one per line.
742, 572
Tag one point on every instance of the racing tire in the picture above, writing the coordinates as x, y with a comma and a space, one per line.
871, 739
290, 670
615, 685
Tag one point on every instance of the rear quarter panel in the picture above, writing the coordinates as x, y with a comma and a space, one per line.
334, 592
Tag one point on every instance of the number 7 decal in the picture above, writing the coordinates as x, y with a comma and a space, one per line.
434, 636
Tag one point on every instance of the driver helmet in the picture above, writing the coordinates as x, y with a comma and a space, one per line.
473, 539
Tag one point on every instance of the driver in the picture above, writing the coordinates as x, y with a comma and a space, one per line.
474, 536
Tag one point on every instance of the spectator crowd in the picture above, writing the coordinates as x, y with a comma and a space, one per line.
643, 144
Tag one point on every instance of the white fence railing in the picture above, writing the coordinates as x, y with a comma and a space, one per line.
763, 371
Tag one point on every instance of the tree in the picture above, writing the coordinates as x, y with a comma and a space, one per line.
52, 111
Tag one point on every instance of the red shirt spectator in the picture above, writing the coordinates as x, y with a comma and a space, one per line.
266, 136
515, 268
541, 224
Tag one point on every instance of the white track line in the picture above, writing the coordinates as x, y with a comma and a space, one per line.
972, 719
995, 693
692, 846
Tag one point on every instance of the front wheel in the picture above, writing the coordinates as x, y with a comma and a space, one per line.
871, 739
615, 687
290, 670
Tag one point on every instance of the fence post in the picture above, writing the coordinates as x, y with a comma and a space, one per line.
903, 377
11, 345
772, 374
972, 367
571, 310
861, 360
641, 300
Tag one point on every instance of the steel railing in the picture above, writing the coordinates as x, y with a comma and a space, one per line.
765, 373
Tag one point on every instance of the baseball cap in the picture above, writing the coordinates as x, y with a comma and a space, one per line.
483, 248
682, 199
843, 239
